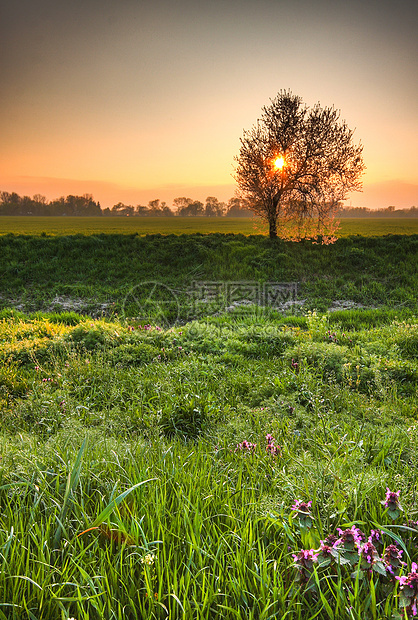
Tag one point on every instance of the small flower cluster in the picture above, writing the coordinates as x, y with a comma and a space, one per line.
290, 408
304, 561
294, 364
271, 448
392, 558
331, 337
391, 502
246, 446
303, 507
353, 549
148, 559
367, 555
164, 355
303, 511
147, 327
409, 591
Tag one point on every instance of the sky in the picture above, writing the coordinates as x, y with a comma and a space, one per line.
132, 100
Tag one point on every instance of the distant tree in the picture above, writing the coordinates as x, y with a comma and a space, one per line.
81, 206
154, 207
193, 209
181, 203
58, 207
10, 203
121, 209
214, 208
166, 211
236, 207
159, 209
141, 210
297, 163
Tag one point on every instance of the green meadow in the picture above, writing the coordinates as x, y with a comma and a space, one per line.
186, 225
169, 453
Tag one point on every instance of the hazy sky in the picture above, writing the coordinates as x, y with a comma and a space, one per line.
133, 99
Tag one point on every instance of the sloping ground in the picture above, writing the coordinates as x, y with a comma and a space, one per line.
106, 273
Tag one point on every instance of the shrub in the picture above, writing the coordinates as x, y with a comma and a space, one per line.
133, 354
407, 339
96, 337
328, 357
187, 417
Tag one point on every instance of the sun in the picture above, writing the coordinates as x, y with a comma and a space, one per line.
279, 163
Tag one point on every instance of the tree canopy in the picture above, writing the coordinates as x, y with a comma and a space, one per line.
297, 164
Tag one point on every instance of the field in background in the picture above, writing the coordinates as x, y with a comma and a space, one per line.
185, 225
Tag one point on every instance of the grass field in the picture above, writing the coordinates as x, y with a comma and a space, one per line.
177, 457
106, 272
151, 473
187, 225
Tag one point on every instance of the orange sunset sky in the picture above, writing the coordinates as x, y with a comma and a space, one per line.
132, 100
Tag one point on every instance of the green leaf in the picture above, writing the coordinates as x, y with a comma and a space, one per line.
379, 567
72, 482
106, 512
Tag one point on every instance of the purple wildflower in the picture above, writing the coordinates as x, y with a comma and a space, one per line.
391, 503
392, 559
349, 538
330, 540
303, 510
325, 549
305, 558
368, 554
271, 448
409, 591
304, 561
300, 506
326, 554
246, 446
392, 499
375, 537
412, 524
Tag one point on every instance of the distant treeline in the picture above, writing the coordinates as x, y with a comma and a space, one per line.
85, 205
13, 204
387, 212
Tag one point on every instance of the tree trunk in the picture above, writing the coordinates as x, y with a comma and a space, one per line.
272, 216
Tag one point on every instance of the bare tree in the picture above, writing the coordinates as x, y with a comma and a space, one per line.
297, 163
